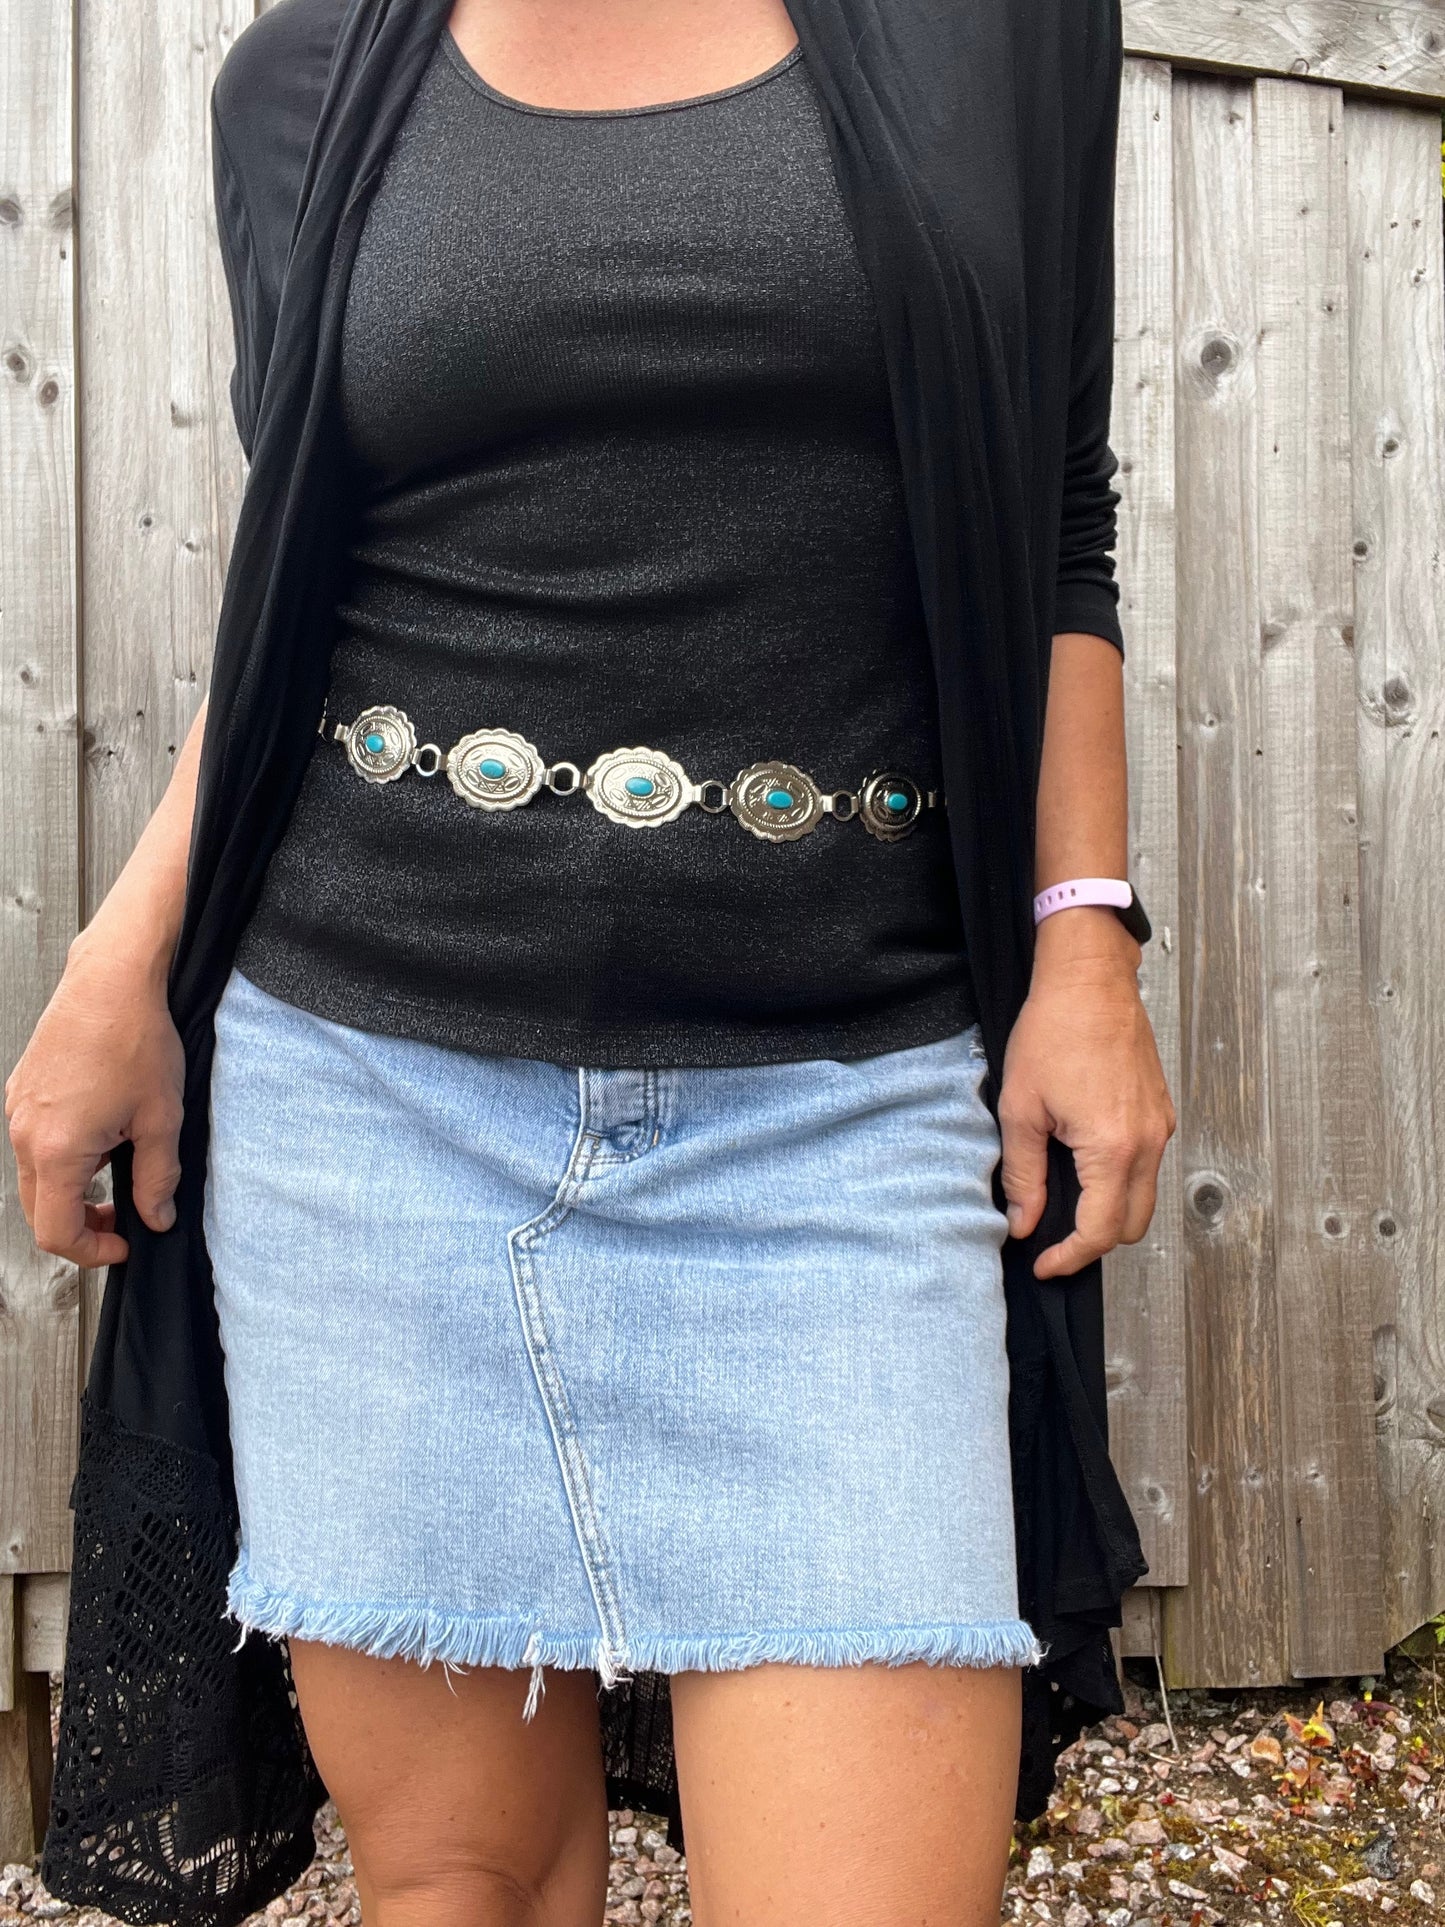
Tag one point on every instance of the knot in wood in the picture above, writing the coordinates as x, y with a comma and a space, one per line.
1218, 356
1397, 694
1208, 1197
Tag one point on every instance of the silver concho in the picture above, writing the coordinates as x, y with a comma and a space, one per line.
380, 743
889, 805
776, 802
639, 787
494, 769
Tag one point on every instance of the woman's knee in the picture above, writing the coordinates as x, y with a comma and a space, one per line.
455, 1807
434, 1883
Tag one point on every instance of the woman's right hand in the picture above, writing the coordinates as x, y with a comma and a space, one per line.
104, 1063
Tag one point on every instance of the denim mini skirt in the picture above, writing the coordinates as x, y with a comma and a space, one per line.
647, 1370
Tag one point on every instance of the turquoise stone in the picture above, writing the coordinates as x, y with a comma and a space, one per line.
640, 786
780, 799
492, 767
897, 800
376, 742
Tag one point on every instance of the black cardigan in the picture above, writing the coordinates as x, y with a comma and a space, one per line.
974, 146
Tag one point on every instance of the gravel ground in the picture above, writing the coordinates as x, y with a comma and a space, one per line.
1315, 1805
1322, 1803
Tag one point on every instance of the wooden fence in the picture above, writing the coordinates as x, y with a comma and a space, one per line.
1277, 1344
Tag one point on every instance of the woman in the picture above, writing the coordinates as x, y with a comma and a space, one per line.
589, 1051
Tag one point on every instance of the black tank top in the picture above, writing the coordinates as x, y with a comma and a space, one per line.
625, 474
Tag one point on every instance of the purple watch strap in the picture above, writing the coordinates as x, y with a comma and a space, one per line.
1107, 890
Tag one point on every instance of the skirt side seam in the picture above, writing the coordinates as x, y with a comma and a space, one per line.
612, 1660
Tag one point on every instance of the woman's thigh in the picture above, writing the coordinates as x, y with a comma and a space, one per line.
459, 1813
851, 1796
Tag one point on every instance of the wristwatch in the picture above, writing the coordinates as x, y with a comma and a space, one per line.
1116, 893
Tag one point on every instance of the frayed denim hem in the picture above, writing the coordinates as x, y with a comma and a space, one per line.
458, 1640
995, 1642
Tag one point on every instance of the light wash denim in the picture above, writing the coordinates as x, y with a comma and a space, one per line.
634, 1370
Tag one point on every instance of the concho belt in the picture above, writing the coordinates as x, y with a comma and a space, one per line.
496, 769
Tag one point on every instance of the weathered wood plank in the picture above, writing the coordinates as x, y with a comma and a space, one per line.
161, 467
17, 1822
8, 1648
1397, 49
44, 1598
1141, 1634
1144, 1283
26, 1760
26, 1769
39, 787
1397, 352
1322, 1091
1228, 1626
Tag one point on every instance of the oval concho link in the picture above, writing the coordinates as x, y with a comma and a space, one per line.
381, 743
639, 787
494, 769
776, 801
889, 805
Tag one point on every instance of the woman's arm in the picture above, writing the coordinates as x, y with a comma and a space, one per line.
1081, 1062
105, 1063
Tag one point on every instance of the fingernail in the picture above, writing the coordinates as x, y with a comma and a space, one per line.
166, 1212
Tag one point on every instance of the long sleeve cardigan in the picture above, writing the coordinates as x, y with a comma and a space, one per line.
974, 147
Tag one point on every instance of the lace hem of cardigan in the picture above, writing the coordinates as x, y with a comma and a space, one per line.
183, 1786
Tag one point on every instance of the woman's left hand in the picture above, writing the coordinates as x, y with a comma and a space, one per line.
1081, 1065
